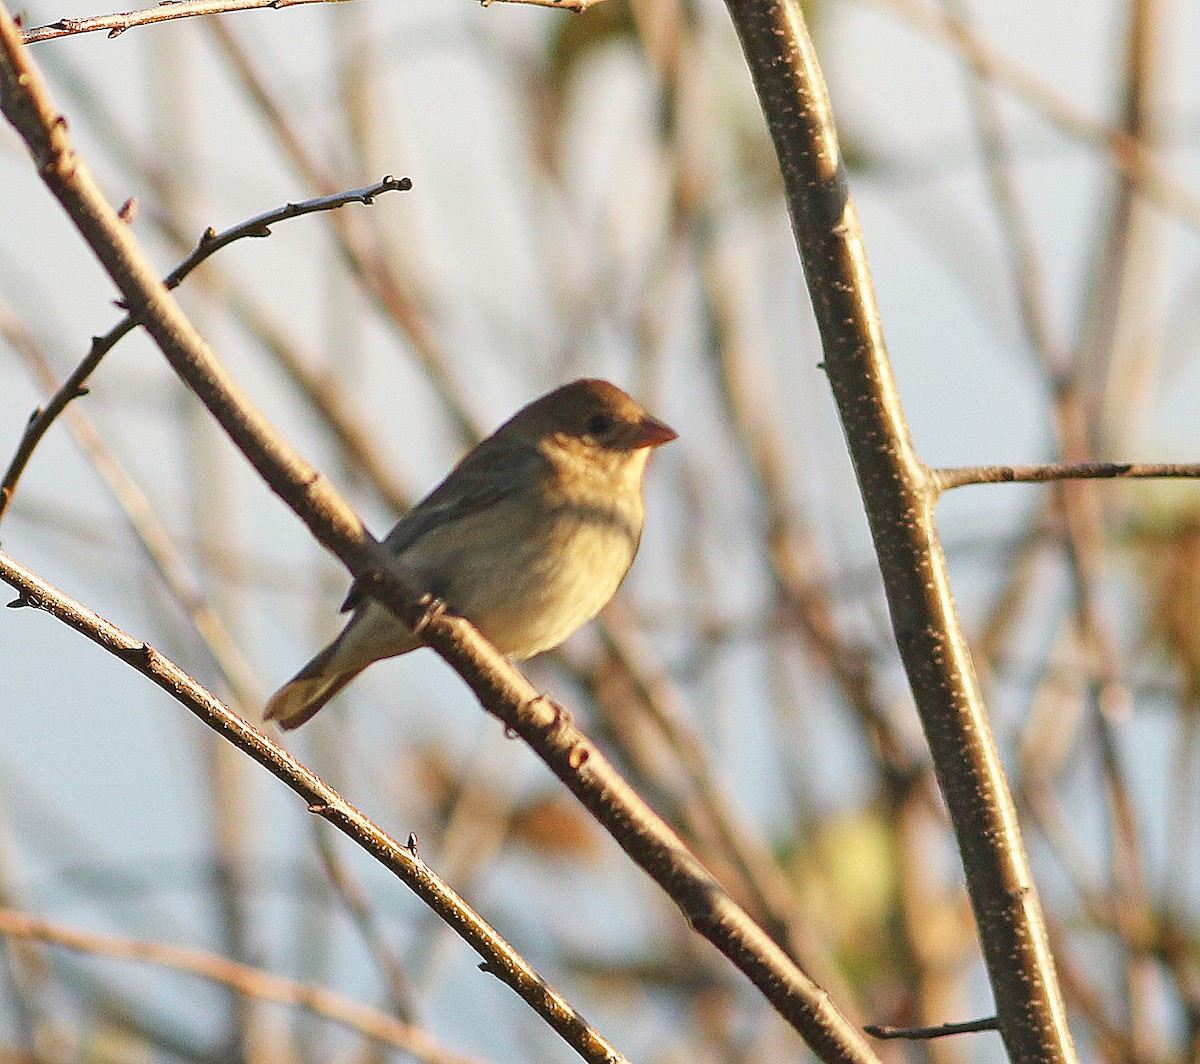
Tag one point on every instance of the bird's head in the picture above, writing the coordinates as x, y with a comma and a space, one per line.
591, 417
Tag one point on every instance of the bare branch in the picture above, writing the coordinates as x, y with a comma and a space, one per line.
961, 476
899, 495
115, 25
74, 387
565, 5
240, 977
1129, 156
941, 1030
501, 689
500, 959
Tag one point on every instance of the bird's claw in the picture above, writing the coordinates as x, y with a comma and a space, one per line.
432, 608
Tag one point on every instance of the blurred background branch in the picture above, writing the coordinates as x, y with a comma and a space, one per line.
595, 194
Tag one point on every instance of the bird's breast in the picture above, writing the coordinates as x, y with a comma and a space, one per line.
534, 575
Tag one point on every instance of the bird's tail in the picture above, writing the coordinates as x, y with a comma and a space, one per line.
306, 692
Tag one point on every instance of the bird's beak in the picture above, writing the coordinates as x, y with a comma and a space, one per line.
650, 432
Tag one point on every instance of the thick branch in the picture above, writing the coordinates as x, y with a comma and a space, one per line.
899, 496
499, 686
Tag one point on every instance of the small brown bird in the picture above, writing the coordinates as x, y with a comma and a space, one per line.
528, 538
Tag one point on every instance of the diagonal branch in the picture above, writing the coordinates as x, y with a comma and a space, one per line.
1132, 159
500, 959
75, 386
501, 689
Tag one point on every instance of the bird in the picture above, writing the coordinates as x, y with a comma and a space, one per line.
527, 537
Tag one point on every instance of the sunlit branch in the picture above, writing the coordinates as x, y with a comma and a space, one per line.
115, 25
74, 387
253, 982
500, 688
961, 476
499, 958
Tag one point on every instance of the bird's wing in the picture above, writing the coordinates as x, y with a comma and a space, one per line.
486, 476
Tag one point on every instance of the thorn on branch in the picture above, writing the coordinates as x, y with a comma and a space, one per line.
34, 415
140, 656
411, 845
25, 601
128, 211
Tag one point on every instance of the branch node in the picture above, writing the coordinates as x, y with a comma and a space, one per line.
138, 656
555, 717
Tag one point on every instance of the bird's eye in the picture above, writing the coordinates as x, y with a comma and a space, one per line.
599, 424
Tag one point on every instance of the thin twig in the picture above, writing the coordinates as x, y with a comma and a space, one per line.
152, 533
245, 979
115, 25
941, 1030
210, 242
360, 248
961, 476
565, 5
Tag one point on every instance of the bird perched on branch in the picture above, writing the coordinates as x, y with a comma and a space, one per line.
528, 538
